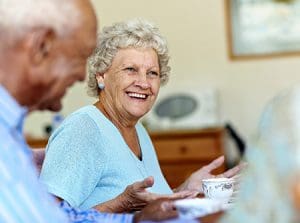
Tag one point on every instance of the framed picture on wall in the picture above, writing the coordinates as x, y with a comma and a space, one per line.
263, 28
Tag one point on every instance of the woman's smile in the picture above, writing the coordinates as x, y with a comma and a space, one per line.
137, 95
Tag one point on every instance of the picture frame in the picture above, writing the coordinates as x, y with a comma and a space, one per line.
262, 28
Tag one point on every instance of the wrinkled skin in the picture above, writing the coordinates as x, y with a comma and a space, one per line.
158, 210
135, 197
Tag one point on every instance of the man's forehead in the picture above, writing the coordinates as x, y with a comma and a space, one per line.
85, 34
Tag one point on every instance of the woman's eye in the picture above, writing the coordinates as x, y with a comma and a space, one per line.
131, 69
153, 74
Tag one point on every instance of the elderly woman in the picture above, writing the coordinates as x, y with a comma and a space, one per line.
101, 156
270, 191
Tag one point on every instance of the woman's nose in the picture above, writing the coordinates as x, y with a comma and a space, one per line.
142, 80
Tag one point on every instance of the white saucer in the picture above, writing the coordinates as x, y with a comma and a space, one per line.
197, 207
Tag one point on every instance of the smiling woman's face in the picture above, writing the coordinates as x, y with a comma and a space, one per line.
131, 83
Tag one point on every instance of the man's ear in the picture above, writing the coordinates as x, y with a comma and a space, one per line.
39, 43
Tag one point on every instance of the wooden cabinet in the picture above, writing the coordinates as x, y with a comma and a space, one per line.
182, 152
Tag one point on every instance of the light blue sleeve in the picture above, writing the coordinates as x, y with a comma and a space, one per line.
70, 170
22, 198
94, 216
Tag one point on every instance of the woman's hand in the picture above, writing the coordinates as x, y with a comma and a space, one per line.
135, 197
194, 182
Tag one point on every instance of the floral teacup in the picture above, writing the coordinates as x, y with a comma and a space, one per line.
218, 188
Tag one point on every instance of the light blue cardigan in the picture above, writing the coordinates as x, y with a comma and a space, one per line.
88, 162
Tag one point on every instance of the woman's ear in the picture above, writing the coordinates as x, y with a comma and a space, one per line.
39, 43
100, 78
100, 81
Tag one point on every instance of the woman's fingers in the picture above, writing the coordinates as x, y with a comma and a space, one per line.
184, 194
214, 164
177, 195
141, 185
235, 170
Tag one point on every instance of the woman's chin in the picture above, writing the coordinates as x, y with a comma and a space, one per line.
138, 114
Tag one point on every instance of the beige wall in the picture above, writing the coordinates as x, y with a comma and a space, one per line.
195, 30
